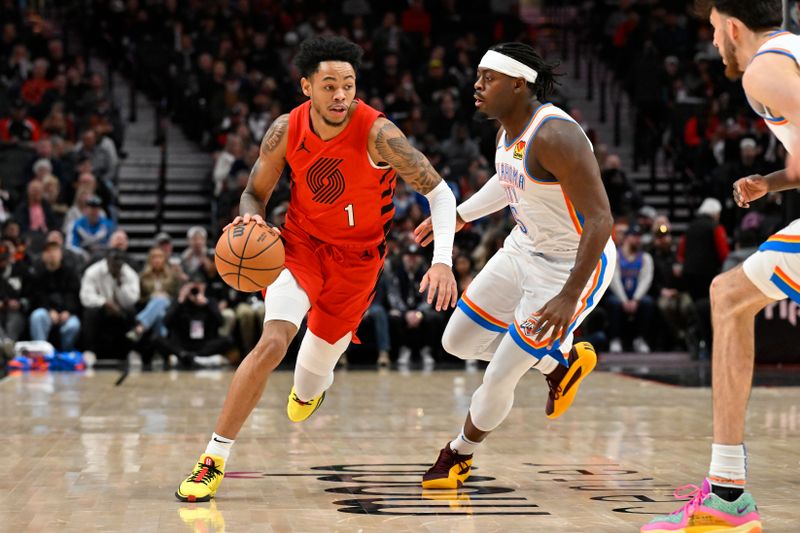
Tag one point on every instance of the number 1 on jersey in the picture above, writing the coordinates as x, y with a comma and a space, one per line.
351, 219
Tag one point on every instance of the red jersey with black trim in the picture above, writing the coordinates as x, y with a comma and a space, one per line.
339, 195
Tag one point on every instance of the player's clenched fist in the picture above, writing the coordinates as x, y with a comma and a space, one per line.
749, 189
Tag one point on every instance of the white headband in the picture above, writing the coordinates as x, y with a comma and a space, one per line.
507, 65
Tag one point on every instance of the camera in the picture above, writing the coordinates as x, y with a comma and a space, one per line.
194, 291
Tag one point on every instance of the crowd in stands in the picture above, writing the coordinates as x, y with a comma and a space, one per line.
224, 72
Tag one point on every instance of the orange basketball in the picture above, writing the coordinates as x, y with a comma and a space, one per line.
249, 257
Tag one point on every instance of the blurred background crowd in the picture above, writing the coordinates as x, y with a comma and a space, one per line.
223, 72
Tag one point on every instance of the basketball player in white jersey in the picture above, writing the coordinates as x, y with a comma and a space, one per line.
748, 35
523, 307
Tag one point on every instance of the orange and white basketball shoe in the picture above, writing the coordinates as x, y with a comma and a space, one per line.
203, 482
564, 382
450, 470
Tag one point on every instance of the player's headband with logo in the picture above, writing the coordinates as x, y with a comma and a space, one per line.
508, 66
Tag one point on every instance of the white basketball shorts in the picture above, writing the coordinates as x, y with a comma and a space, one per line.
775, 267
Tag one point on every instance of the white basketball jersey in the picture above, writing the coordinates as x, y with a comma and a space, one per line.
787, 44
547, 222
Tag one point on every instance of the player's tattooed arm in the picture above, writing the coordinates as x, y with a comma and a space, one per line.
387, 144
267, 169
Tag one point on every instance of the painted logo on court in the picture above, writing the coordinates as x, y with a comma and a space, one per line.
325, 180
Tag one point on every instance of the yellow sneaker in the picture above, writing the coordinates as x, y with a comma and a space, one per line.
298, 410
203, 482
450, 470
564, 382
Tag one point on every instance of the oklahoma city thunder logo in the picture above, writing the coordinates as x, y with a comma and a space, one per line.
325, 180
528, 328
519, 150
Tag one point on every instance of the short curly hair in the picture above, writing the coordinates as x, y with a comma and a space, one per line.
315, 50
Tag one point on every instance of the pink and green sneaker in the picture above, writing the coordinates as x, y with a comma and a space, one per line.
706, 512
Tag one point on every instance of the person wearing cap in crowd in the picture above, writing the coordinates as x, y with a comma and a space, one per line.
703, 249
163, 240
628, 298
414, 323
159, 286
195, 258
52, 292
12, 309
109, 292
91, 232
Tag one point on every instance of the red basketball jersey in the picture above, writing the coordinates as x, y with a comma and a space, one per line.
338, 195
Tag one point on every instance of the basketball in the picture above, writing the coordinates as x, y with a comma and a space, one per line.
249, 257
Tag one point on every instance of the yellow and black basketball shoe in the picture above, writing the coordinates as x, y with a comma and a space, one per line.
298, 410
203, 482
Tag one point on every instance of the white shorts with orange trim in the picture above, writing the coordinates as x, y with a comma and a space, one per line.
775, 267
517, 282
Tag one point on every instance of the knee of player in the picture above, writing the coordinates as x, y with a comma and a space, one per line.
270, 350
723, 294
453, 343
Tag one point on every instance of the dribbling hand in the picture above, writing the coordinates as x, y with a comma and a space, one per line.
246, 219
439, 280
749, 189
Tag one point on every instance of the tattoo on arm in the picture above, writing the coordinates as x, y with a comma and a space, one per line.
409, 163
275, 134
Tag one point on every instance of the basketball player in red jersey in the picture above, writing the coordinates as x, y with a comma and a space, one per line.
343, 157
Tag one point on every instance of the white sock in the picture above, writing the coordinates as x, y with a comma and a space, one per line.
219, 445
463, 446
728, 465
546, 364
308, 385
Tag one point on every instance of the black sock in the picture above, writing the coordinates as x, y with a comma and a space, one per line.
730, 494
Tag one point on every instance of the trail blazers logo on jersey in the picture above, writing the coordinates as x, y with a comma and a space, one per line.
325, 180
519, 150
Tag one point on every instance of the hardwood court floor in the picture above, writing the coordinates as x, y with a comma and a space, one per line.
81, 454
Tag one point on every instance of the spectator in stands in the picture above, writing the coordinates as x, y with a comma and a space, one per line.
101, 153
19, 128
12, 312
673, 302
229, 162
92, 231
35, 213
196, 258
37, 85
622, 195
52, 292
51, 192
109, 292
464, 271
377, 315
628, 298
414, 323
703, 249
159, 287
193, 323
73, 259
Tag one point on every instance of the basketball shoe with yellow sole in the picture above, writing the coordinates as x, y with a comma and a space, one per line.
564, 382
203, 482
450, 470
298, 410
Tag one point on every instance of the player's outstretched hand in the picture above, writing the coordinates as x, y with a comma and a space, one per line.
554, 316
439, 281
423, 234
749, 189
245, 219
